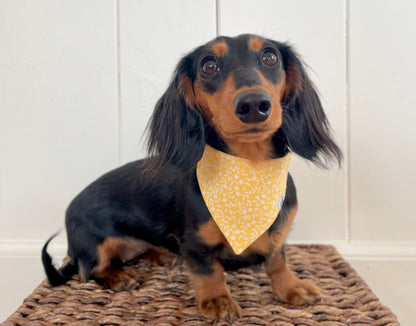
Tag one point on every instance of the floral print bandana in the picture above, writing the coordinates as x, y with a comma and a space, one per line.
243, 198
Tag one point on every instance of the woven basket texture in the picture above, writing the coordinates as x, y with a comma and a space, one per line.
164, 297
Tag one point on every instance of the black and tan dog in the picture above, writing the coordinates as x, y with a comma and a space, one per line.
247, 96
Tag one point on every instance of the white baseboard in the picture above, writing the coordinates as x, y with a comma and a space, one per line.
377, 251
363, 250
18, 248
353, 250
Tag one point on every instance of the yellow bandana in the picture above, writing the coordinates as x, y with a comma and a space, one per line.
244, 199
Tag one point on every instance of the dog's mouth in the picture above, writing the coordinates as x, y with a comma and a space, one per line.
252, 131
250, 135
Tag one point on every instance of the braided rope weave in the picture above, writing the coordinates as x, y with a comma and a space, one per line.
165, 297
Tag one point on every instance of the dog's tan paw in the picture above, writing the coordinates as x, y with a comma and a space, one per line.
302, 292
119, 281
220, 307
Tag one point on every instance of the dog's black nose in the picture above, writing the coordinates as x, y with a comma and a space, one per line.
253, 107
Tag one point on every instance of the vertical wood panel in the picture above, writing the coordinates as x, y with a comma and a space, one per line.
383, 115
316, 29
153, 37
58, 106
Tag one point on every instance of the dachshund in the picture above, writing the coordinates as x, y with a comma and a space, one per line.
246, 96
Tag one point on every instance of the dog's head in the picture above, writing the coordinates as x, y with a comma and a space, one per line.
245, 95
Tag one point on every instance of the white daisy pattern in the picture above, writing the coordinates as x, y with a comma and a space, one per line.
243, 198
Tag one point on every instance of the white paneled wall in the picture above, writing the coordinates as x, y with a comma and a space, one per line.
79, 79
58, 102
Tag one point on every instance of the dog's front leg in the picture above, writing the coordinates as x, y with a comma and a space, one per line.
213, 295
287, 286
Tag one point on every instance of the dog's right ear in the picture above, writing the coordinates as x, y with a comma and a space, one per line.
176, 130
305, 128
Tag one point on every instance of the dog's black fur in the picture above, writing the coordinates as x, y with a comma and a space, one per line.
158, 199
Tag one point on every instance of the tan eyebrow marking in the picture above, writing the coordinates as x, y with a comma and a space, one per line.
255, 44
219, 48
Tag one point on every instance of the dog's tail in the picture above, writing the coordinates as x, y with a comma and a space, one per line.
56, 276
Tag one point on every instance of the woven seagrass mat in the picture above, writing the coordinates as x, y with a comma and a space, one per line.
166, 298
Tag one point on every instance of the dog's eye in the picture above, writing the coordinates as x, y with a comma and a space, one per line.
269, 58
210, 67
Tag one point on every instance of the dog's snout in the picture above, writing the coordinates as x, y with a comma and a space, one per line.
253, 107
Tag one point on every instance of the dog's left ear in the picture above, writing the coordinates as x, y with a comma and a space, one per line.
176, 128
305, 127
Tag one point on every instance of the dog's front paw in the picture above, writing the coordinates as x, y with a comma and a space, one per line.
119, 280
220, 307
288, 287
299, 293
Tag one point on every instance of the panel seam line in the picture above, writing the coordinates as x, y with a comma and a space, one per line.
119, 101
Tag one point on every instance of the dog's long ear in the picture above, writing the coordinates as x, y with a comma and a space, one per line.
305, 128
176, 128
